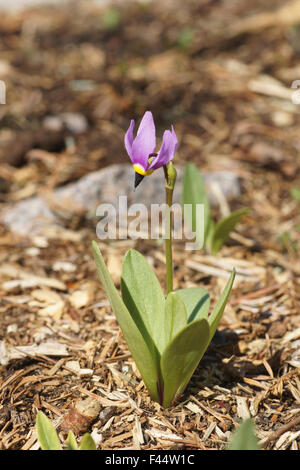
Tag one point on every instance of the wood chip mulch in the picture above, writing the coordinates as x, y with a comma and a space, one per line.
227, 90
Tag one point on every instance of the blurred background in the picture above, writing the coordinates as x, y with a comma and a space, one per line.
224, 73
220, 70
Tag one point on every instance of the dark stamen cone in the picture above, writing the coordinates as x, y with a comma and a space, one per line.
138, 179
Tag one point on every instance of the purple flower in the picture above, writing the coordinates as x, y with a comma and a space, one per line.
141, 149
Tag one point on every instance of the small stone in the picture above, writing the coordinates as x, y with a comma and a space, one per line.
29, 217
282, 118
75, 122
13, 328
266, 154
277, 330
257, 346
106, 414
53, 123
80, 417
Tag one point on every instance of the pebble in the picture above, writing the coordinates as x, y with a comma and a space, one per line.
22, 4
277, 330
75, 123
81, 416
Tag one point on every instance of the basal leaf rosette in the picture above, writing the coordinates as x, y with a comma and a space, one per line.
167, 337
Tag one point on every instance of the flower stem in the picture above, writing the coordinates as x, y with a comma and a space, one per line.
170, 178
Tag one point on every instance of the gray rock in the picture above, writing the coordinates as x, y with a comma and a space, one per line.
32, 216
22, 4
29, 217
15, 5
75, 123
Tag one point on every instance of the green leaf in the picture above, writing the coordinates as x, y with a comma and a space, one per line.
244, 437
287, 243
194, 193
185, 38
175, 318
295, 193
87, 443
71, 441
210, 234
181, 357
196, 301
222, 230
46, 433
217, 312
143, 296
111, 18
139, 342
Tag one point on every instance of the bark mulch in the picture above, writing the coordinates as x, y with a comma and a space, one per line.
222, 73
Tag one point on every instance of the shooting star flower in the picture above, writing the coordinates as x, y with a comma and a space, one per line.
141, 149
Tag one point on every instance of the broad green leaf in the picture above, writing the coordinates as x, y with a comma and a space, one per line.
87, 443
143, 296
139, 342
217, 312
196, 301
175, 317
46, 433
181, 358
194, 193
222, 230
210, 234
71, 441
244, 437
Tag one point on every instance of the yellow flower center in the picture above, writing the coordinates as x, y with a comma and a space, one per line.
140, 170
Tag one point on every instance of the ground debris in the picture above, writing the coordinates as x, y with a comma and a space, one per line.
73, 87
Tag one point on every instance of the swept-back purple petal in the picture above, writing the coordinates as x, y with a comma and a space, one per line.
128, 140
175, 139
144, 143
166, 152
